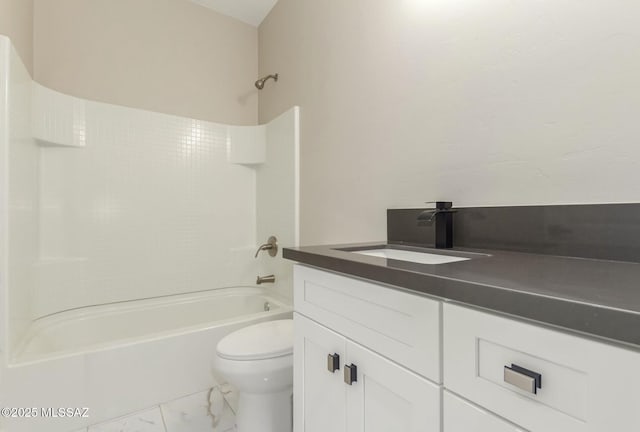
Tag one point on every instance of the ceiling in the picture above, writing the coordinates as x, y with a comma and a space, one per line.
248, 11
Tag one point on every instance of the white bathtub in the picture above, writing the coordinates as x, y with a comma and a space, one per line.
102, 327
120, 358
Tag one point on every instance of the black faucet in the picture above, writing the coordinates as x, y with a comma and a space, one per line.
443, 214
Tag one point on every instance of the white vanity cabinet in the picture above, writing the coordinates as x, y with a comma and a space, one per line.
425, 365
344, 384
340, 386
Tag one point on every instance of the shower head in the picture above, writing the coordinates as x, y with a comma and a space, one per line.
261, 81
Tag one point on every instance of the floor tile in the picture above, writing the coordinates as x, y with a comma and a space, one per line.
191, 414
145, 421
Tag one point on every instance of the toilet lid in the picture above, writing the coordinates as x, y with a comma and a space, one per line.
259, 341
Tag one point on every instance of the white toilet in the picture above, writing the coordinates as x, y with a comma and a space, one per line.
258, 361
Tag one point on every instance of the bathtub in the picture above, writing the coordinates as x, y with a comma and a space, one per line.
120, 358
101, 327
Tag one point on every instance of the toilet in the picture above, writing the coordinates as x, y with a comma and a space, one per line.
258, 361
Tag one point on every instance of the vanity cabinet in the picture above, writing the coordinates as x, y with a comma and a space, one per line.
420, 364
353, 344
340, 386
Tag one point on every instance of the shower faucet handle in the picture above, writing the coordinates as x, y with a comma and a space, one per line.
271, 245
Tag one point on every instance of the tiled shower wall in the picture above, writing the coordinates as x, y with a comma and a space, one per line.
18, 203
277, 196
149, 206
114, 203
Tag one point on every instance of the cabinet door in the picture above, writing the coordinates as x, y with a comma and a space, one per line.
461, 416
387, 397
319, 395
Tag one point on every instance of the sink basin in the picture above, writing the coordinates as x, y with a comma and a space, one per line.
411, 256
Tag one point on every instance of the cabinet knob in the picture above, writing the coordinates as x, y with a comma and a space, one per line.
522, 378
350, 374
333, 362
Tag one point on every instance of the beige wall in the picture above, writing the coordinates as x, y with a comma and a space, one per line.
484, 103
16, 21
169, 56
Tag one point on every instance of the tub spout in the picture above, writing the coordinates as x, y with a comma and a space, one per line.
265, 279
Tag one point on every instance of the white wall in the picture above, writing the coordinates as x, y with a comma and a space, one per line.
169, 56
496, 102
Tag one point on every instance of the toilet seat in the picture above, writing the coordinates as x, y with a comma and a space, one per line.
261, 341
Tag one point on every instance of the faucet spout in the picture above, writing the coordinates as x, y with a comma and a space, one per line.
265, 279
428, 215
441, 207
443, 215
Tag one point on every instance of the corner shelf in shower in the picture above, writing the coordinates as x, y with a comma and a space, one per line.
247, 145
57, 120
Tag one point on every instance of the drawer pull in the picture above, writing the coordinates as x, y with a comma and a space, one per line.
333, 362
522, 378
350, 374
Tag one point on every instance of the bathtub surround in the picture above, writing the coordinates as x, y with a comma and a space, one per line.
102, 236
57, 119
278, 198
19, 200
16, 22
112, 204
144, 209
169, 56
480, 103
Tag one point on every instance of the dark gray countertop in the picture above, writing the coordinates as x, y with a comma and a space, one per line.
595, 297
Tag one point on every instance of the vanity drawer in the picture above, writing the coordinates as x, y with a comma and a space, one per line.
461, 416
491, 360
400, 326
